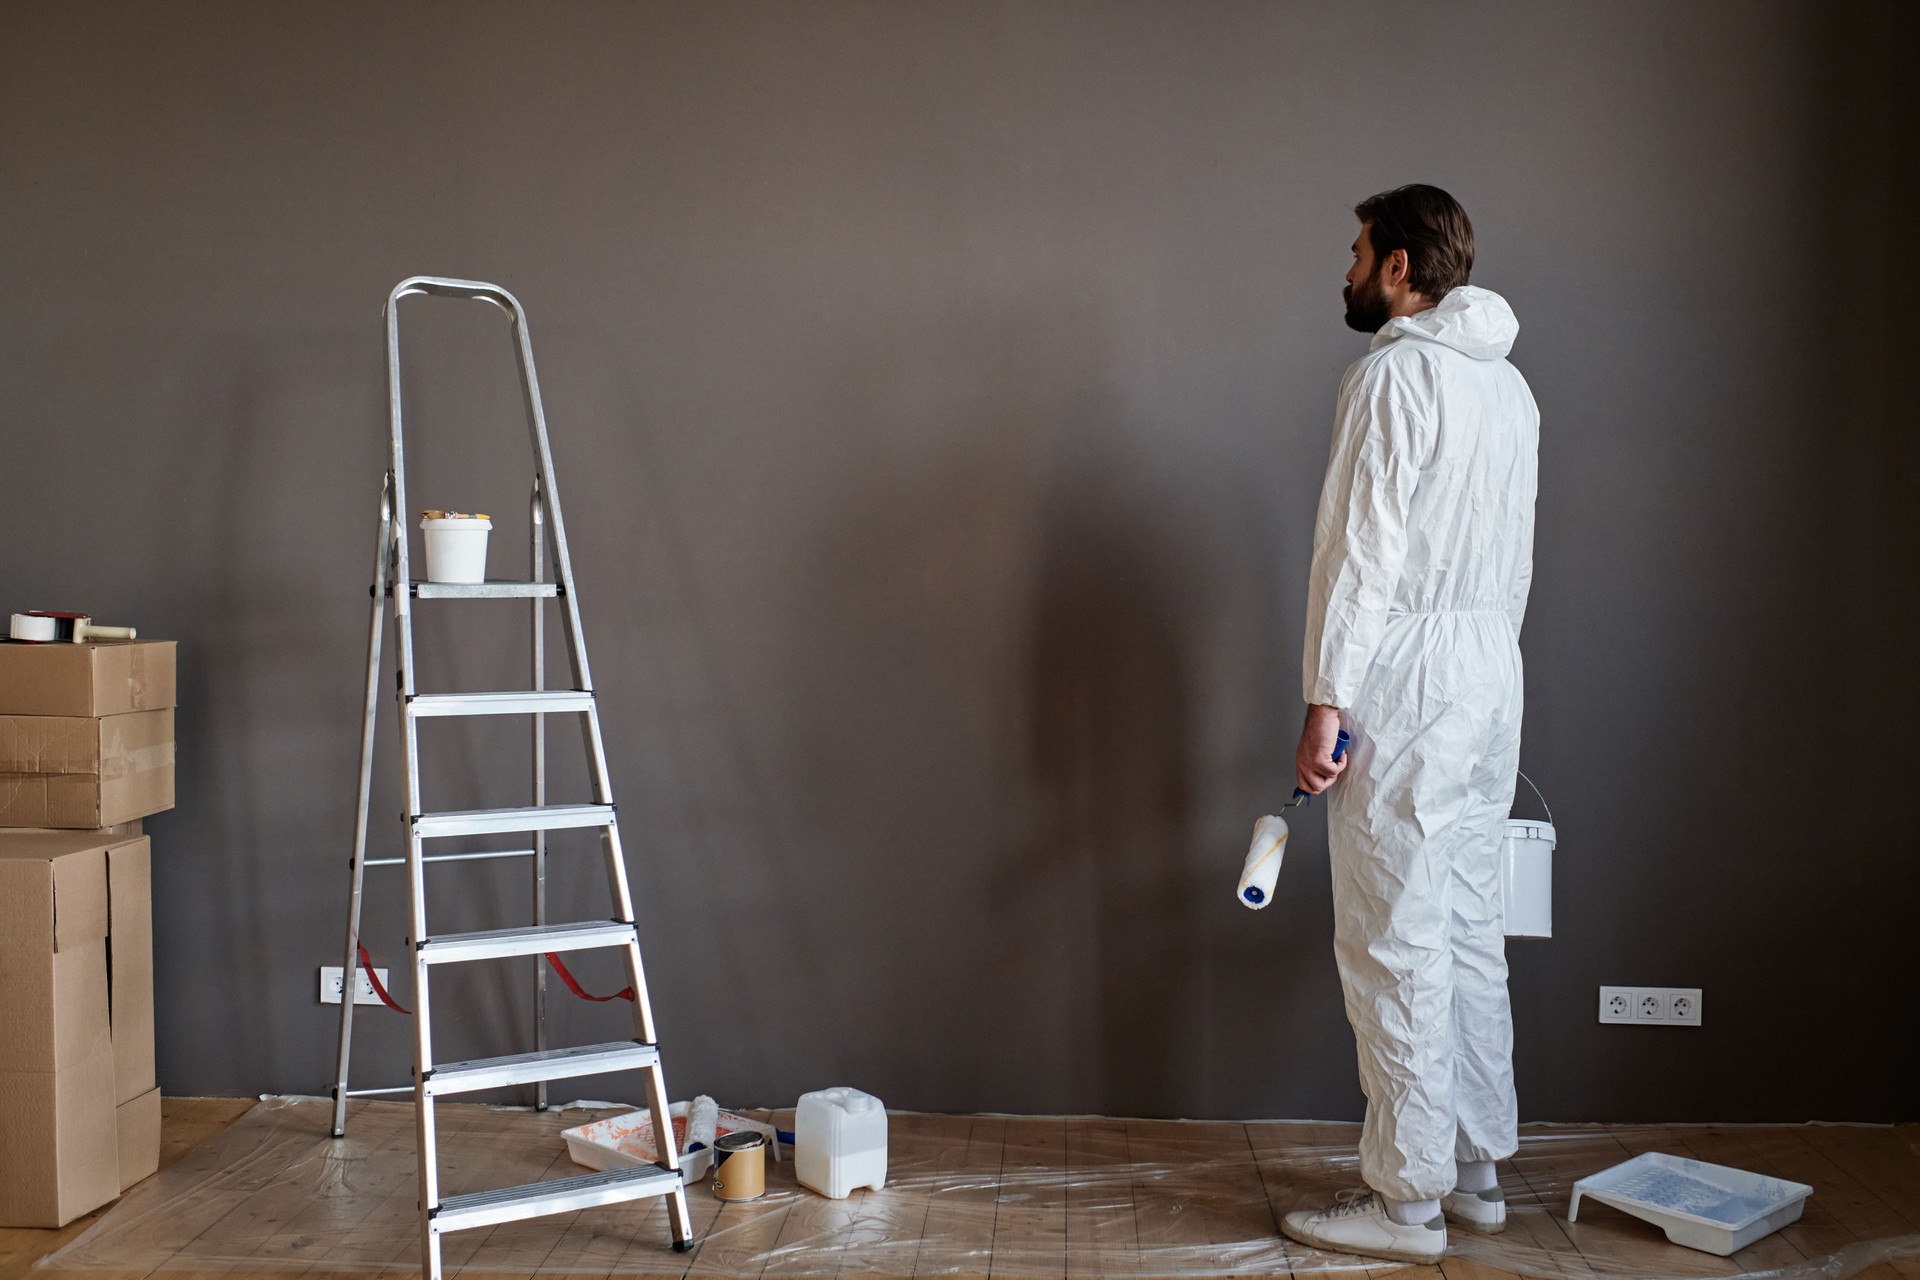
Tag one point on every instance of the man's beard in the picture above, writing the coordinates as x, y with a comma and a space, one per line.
1368, 309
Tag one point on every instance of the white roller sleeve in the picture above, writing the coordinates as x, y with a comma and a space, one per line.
1262, 871
703, 1122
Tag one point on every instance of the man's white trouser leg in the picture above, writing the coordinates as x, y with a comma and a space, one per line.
1486, 1109
1414, 828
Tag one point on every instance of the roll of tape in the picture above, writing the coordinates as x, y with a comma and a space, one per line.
27, 627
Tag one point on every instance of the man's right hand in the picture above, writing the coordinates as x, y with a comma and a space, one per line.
1314, 768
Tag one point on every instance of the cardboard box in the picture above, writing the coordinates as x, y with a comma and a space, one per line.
59, 1140
57, 998
83, 771
99, 678
130, 967
53, 952
137, 1122
59, 1143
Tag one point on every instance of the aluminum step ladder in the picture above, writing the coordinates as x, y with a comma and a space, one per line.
395, 587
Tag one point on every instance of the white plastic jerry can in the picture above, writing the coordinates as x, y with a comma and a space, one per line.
840, 1142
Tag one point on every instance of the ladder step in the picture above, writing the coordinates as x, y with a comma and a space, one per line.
561, 1195
527, 940
480, 822
491, 590
545, 1064
500, 704
478, 855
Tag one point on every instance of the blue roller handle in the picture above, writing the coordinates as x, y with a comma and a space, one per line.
1340, 745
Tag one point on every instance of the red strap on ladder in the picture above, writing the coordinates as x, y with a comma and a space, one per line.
366, 962
625, 993
573, 984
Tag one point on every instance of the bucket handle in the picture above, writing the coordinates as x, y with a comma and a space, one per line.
1536, 794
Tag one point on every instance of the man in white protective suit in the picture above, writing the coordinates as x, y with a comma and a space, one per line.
1422, 555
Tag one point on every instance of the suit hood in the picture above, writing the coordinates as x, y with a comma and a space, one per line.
1475, 322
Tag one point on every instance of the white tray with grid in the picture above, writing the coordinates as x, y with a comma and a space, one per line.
1702, 1206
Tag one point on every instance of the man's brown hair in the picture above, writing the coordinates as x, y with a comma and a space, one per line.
1431, 226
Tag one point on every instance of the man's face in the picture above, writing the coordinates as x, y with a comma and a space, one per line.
1368, 308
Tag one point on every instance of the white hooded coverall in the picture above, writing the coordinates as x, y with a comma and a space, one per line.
1422, 555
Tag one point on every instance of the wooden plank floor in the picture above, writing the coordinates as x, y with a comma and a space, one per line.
1000, 1210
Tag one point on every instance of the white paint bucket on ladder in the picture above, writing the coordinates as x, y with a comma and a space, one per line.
1526, 873
456, 546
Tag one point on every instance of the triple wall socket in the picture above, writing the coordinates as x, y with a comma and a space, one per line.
1663, 1006
363, 992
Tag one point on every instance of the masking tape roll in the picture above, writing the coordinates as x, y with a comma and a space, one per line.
740, 1166
25, 627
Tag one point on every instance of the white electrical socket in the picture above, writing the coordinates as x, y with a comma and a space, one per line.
363, 992
1666, 1006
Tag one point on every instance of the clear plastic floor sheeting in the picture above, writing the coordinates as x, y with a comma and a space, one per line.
967, 1195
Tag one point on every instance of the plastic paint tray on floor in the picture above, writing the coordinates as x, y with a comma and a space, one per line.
624, 1140
1703, 1206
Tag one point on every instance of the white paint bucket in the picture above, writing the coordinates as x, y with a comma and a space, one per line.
1526, 878
456, 546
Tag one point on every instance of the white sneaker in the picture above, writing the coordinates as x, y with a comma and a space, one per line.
1358, 1223
1482, 1211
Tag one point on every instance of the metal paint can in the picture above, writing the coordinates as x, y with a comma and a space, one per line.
740, 1166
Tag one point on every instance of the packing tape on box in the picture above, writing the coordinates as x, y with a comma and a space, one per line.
27, 627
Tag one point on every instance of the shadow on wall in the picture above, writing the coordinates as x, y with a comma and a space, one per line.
1110, 733
1010, 746
252, 625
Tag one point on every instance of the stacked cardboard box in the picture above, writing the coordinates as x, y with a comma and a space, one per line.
86, 733
86, 743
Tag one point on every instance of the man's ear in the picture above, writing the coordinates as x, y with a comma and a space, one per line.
1397, 267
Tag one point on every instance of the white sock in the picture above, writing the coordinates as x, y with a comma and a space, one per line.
1411, 1213
1476, 1175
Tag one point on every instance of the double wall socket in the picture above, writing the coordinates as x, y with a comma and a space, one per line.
363, 992
1662, 1006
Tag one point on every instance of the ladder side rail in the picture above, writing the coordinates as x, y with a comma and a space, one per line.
617, 880
657, 1098
556, 524
643, 1024
679, 1219
383, 551
425, 1142
537, 572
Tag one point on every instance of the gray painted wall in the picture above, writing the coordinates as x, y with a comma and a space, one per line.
940, 394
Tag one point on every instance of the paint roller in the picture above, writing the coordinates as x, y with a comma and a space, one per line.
703, 1123
703, 1126
40, 626
1262, 869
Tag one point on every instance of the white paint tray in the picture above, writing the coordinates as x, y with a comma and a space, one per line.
1702, 1206
624, 1140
